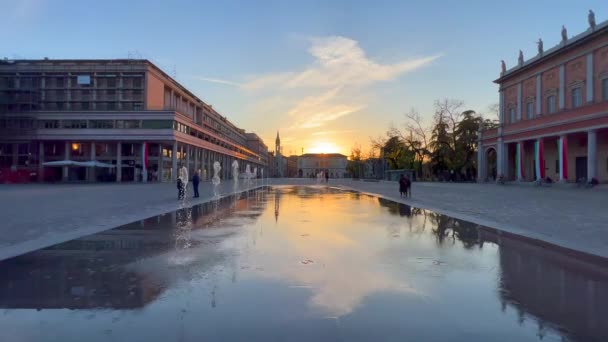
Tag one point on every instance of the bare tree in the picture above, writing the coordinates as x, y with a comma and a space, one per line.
450, 111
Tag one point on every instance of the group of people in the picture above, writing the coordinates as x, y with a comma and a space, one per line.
405, 186
182, 183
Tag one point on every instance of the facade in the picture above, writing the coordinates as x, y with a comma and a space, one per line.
292, 166
553, 116
310, 164
109, 120
257, 146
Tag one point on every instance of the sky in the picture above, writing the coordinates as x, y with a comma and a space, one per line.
328, 75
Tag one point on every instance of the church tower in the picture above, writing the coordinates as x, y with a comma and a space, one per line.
278, 156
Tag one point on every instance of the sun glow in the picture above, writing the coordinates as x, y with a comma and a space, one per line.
324, 147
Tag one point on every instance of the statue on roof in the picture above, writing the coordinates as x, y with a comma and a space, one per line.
564, 34
591, 19
540, 46
503, 67
520, 59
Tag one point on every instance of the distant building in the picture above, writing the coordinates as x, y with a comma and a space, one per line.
310, 164
292, 166
109, 120
552, 113
257, 146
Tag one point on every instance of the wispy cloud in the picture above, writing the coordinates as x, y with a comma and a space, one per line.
218, 80
332, 132
339, 61
316, 110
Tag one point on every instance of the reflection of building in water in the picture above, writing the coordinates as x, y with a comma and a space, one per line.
277, 200
90, 272
559, 290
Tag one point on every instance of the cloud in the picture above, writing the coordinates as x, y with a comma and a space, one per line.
332, 132
217, 80
339, 61
316, 110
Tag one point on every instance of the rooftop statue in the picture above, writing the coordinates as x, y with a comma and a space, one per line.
591, 19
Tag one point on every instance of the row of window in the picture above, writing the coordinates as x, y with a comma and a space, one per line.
105, 124
576, 96
193, 132
80, 81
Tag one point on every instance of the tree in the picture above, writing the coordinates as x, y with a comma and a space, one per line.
466, 143
355, 165
441, 150
417, 138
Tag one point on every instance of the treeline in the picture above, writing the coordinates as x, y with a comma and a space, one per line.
442, 149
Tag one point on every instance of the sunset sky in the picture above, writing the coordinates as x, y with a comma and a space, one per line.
327, 74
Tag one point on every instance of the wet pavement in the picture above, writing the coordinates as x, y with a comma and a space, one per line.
303, 264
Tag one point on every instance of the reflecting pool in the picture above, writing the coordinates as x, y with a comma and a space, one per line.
303, 264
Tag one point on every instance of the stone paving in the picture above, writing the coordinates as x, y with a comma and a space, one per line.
33, 216
36, 216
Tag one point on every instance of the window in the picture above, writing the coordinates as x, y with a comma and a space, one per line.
111, 105
577, 97
156, 124
137, 82
101, 123
48, 124
551, 104
530, 109
74, 124
137, 106
111, 82
605, 89
511, 114
85, 106
128, 124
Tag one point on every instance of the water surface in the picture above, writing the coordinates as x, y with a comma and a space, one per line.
302, 264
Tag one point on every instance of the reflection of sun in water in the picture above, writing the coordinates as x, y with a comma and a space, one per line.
324, 147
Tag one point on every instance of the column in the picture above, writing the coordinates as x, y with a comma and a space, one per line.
589, 80
519, 161
501, 107
161, 162
41, 161
15, 157
91, 170
174, 163
539, 159
562, 84
505, 161
188, 161
591, 155
480, 163
66, 152
539, 95
119, 161
144, 162
196, 152
562, 151
518, 101
500, 158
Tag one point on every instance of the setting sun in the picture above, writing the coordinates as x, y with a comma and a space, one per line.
324, 147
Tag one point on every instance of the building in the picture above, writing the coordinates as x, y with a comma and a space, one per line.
109, 120
257, 146
292, 166
310, 164
553, 113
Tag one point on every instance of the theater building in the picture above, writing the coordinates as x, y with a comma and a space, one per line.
110, 120
553, 114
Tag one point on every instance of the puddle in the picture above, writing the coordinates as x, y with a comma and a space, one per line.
255, 267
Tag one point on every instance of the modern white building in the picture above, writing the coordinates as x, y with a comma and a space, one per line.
310, 164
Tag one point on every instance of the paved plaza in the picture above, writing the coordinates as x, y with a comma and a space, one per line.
37, 215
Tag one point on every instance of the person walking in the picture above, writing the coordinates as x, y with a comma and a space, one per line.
408, 187
195, 181
402, 186
326, 176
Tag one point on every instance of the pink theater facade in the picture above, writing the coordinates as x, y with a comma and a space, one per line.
553, 114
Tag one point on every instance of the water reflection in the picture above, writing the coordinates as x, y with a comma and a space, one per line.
336, 265
114, 269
